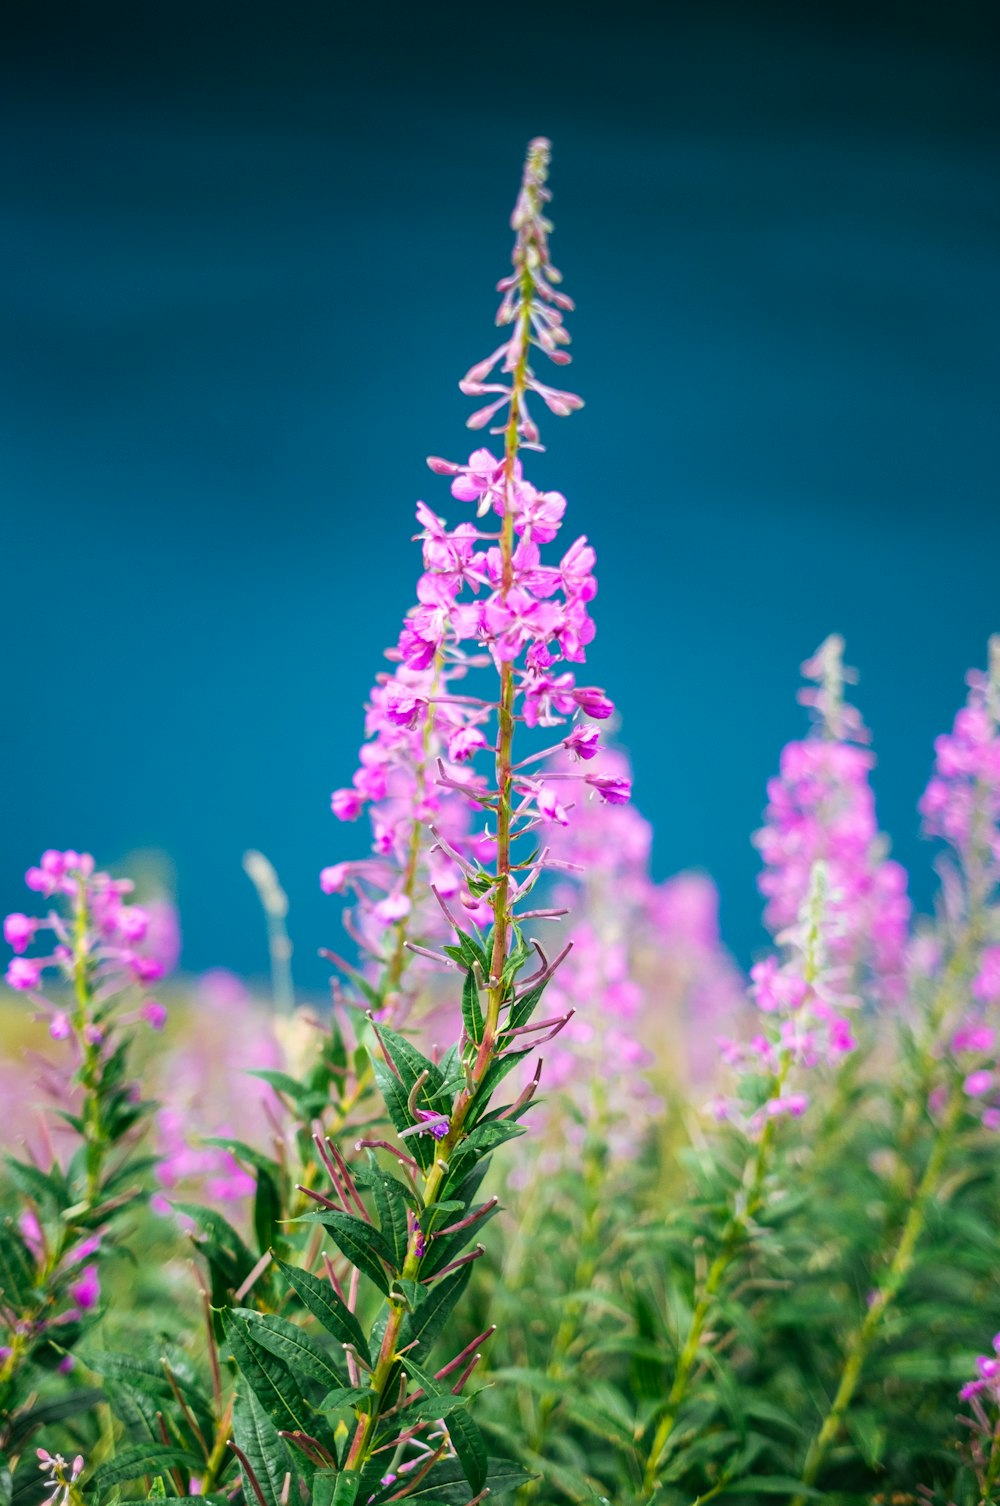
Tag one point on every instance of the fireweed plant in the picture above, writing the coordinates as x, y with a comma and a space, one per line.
748, 1250
84, 965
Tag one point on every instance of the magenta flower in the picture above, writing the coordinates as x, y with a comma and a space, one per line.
86, 1290
821, 809
24, 973
986, 983
19, 931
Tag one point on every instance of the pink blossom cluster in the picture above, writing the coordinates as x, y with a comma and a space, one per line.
802, 1001
421, 841
962, 800
93, 926
73, 1277
987, 1381
113, 943
485, 599
62, 1476
645, 970
974, 1043
821, 809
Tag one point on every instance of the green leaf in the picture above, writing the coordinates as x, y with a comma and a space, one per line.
447, 1482
17, 1271
281, 1082
472, 1013
268, 1455
6, 1482
267, 1210
433, 1308
392, 1200
363, 1245
275, 1388
771, 1485
135, 1409
322, 1301
468, 1443
23, 1424
333, 1489
394, 1096
220, 1238
143, 1459
468, 951
287, 1342
39, 1186
411, 1063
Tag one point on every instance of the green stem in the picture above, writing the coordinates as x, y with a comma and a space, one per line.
748, 1204
899, 1267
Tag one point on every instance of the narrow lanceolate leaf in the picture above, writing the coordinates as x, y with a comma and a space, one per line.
410, 1063
35, 1184
143, 1459
392, 1200
268, 1455
287, 1342
362, 1243
17, 1271
432, 1311
324, 1304
472, 1014
267, 1376
333, 1489
23, 1424
469, 1446
447, 1483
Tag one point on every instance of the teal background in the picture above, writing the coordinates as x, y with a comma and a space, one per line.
246, 252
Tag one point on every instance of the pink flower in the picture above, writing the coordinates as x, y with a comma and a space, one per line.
145, 969
584, 741
614, 790
986, 984
59, 1027
23, 973
333, 880
86, 1290
979, 1083
154, 1013
346, 804
463, 743
133, 922
19, 931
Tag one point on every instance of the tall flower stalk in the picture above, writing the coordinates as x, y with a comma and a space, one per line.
962, 804
477, 607
89, 988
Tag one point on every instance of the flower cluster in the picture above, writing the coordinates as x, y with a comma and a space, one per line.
484, 598
62, 1477
643, 956
101, 933
413, 734
962, 800
974, 1043
821, 810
